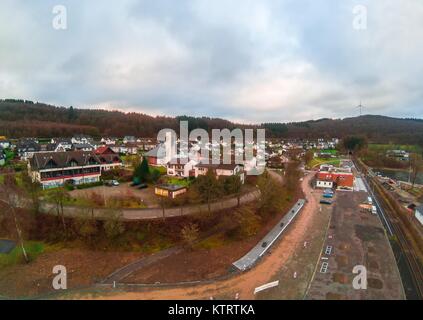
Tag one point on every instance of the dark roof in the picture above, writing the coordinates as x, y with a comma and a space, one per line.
157, 152
82, 145
28, 145
62, 159
109, 158
221, 166
171, 187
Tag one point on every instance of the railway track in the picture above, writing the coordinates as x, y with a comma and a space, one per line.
413, 276
407, 250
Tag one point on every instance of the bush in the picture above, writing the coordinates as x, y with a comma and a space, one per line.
89, 185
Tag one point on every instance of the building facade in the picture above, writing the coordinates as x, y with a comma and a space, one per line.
52, 170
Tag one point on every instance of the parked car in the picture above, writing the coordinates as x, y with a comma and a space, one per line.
328, 195
324, 201
142, 186
112, 183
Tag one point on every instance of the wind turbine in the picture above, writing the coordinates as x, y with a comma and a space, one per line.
361, 108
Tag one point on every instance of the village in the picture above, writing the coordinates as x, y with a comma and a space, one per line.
185, 209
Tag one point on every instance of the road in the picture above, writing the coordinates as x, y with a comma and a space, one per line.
244, 283
155, 213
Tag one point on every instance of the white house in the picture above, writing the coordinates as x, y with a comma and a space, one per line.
81, 139
220, 170
4, 144
177, 169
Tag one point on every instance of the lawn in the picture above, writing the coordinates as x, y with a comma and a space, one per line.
33, 249
181, 182
331, 151
319, 161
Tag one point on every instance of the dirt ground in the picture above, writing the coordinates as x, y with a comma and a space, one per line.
83, 268
124, 189
242, 284
295, 276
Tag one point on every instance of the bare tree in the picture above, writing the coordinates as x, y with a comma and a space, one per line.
58, 196
190, 234
416, 166
10, 196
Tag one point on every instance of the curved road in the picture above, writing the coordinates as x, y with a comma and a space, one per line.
155, 213
243, 284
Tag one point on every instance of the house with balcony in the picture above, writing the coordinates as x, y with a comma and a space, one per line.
176, 168
221, 170
108, 158
54, 169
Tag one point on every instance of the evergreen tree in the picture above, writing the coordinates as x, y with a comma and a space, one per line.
142, 172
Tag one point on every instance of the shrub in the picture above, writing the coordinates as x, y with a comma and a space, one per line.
89, 185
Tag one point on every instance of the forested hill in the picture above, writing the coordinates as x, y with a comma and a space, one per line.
19, 118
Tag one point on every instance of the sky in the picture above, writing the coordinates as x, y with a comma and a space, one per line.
243, 60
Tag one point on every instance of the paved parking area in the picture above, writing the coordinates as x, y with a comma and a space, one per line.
355, 238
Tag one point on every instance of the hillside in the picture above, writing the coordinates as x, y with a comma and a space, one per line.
19, 118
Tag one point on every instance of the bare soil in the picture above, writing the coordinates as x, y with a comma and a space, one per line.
83, 267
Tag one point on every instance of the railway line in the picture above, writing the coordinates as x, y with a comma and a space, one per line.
410, 267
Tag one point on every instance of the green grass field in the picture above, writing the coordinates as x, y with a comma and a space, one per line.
181, 182
319, 161
331, 151
33, 249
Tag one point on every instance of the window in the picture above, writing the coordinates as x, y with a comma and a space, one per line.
51, 164
73, 163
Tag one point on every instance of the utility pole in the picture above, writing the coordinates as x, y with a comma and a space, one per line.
360, 106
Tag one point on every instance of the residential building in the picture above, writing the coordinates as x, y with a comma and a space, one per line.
177, 169
53, 169
83, 147
335, 179
131, 148
157, 156
128, 139
62, 143
398, 154
108, 141
108, 158
169, 190
81, 139
5, 144
26, 148
221, 170
2, 158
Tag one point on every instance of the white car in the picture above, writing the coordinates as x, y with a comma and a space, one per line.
115, 183
374, 210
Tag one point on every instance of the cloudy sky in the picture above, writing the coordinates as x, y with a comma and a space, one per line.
245, 60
